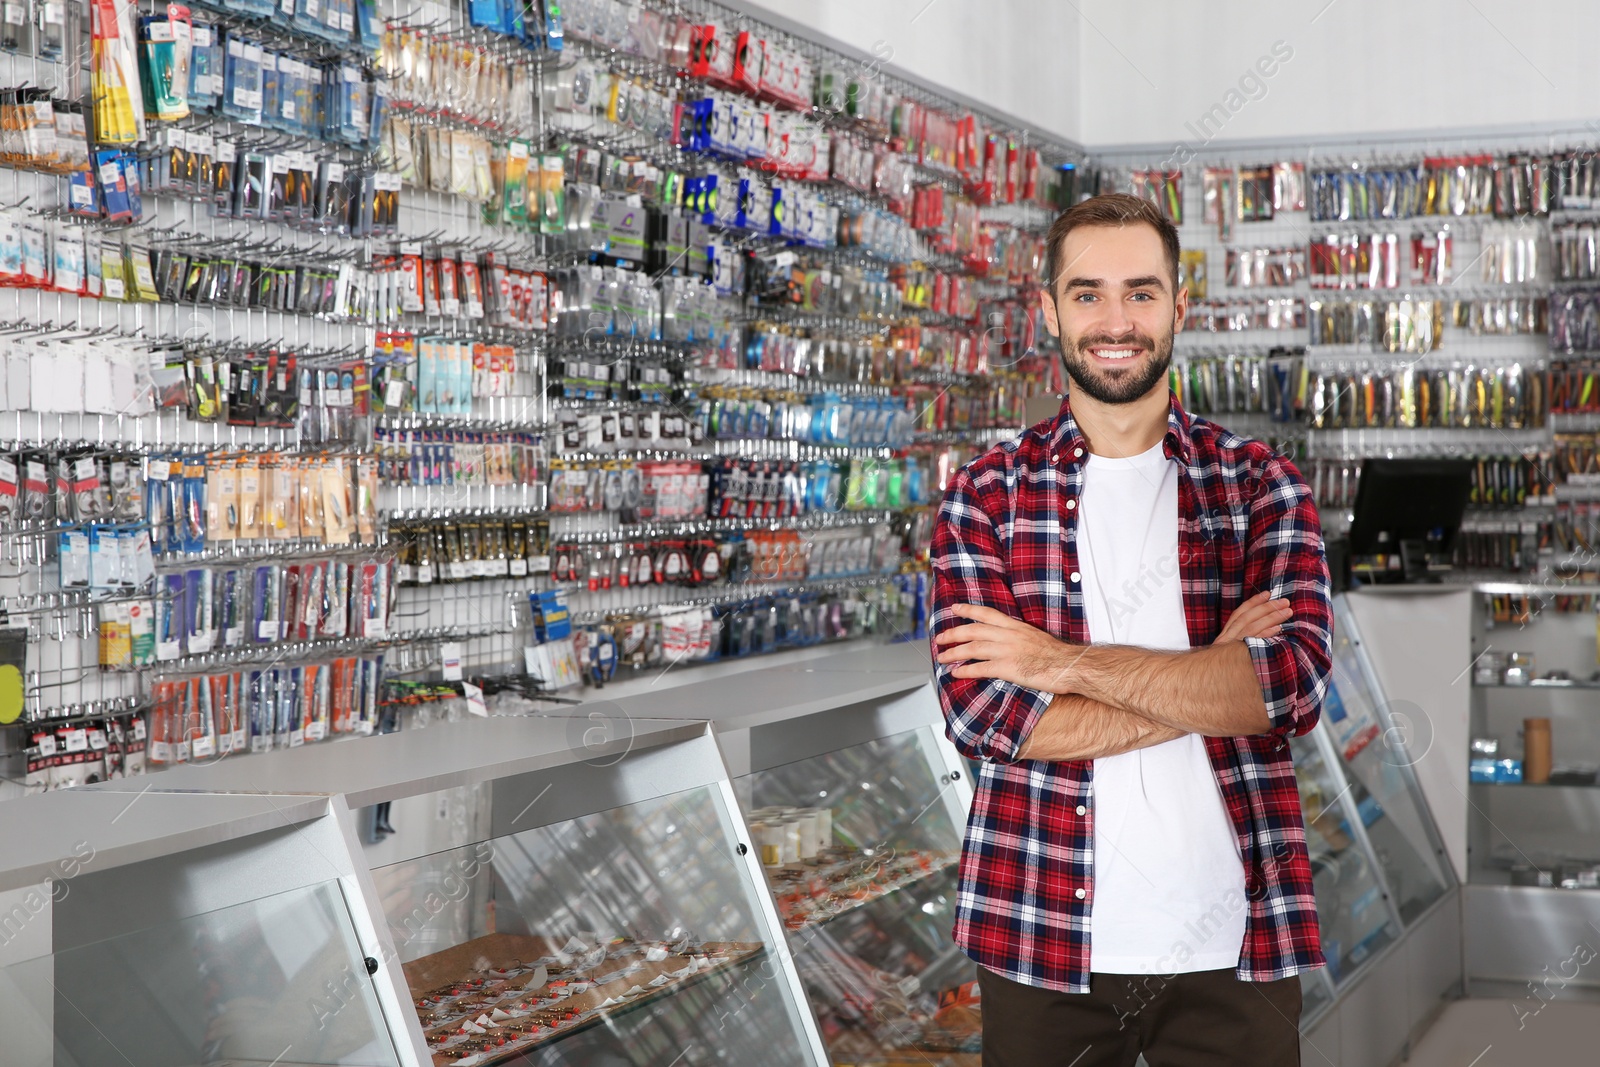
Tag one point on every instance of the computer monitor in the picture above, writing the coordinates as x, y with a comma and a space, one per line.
1412, 507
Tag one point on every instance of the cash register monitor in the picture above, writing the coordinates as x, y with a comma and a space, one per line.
1412, 507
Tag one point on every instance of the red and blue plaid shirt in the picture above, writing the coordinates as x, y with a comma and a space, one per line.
1006, 538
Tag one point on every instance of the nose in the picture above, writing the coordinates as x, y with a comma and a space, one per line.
1115, 319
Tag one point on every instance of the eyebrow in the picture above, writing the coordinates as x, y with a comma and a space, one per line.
1131, 283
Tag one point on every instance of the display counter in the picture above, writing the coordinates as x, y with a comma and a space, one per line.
751, 864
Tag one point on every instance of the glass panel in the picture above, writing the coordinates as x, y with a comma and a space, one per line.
870, 911
1379, 742
625, 937
1315, 996
1354, 918
280, 980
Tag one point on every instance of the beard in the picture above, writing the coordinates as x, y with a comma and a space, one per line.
1118, 385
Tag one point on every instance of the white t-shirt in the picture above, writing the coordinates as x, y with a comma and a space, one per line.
1168, 882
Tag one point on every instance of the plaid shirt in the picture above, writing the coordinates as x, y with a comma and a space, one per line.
1006, 538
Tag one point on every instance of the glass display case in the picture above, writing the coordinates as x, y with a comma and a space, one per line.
1378, 744
637, 934
860, 846
625, 936
765, 872
148, 927
511, 890
1529, 826
1376, 858
279, 980
1353, 909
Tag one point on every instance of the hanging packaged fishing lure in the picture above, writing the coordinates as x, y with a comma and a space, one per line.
167, 42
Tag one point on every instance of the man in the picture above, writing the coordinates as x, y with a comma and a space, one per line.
1130, 620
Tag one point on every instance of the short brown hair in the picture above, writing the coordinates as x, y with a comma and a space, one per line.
1110, 209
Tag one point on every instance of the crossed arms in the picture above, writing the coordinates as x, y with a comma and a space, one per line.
1012, 691
1110, 699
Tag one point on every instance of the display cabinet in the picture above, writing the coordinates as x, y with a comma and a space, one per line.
633, 935
553, 891
1385, 889
754, 865
1533, 822
855, 804
870, 901
1376, 858
176, 929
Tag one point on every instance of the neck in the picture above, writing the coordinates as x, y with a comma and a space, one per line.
1122, 430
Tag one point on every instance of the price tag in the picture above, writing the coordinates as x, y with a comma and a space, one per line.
450, 653
475, 703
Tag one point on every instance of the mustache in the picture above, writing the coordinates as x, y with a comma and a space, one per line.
1136, 338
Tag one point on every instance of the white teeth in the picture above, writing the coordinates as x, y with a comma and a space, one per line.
1116, 353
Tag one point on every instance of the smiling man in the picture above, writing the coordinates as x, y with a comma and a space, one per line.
1130, 620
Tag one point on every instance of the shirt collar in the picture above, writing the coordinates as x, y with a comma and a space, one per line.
1066, 439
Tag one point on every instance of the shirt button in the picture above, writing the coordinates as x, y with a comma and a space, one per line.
1082, 893
1071, 504
1076, 576
1077, 453
1082, 810
1055, 458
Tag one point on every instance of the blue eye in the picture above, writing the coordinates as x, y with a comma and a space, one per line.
1142, 296
1084, 297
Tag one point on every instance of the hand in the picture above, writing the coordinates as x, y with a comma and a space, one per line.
995, 645
1260, 616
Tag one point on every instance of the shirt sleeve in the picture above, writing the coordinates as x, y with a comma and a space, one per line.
1285, 555
986, 719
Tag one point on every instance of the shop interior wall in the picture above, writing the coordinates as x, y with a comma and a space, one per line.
1149, 73
1019, 58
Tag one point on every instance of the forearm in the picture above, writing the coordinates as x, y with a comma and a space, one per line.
1076, 727
1212, 691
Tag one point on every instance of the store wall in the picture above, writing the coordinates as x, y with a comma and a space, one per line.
1353, 67
1021, 59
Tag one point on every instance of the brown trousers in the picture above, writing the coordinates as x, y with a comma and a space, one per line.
1200, 1019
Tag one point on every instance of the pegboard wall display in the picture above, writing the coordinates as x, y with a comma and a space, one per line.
1428, 299
350, 347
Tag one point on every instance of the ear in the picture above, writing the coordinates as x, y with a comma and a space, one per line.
1048, 304
1180, 309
